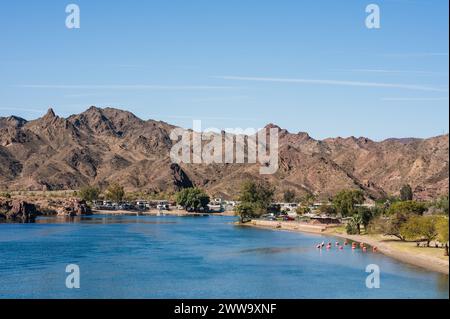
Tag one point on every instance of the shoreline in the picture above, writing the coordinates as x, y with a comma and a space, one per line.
383, 245
155, 212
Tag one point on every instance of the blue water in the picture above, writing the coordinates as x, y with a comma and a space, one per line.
192, 257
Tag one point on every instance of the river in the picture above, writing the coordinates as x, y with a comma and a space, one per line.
193, 257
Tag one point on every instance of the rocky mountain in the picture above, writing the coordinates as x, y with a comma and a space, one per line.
100, 146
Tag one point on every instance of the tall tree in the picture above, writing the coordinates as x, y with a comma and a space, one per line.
89, 193
194, 199
255, 198
344, 202
390, 226
420, 228
115, 192
406, 193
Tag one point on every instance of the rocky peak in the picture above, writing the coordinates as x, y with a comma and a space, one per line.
281, 132
50, 114
48, 118
13, 121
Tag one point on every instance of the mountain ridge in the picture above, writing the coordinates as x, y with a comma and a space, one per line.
104, 145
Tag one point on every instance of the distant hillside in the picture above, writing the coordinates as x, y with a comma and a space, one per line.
100, 146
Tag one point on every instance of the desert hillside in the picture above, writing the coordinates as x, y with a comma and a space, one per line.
100, 146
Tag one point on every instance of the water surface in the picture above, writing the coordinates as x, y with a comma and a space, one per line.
192, 257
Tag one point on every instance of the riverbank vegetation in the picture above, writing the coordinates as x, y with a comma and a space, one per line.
424, 223
193, 199
255, 200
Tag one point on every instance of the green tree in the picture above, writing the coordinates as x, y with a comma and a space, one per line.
389, 226
193, 199
115, 192
412, 228
442, 204
408, 207
89, 193
366, 215
406, 193
289, 196
246, 211
442, 229
344, 202
255, 198
420, 228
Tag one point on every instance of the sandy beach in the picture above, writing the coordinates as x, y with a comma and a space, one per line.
428, 258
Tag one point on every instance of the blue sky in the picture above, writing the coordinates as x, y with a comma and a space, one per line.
305, 65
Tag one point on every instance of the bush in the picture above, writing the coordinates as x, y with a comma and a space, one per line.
351, 228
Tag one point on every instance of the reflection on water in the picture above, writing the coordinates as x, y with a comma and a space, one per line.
103, 219
273, 250
205, 257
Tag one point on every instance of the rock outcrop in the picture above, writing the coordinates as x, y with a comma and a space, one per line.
18, 211
74, 207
